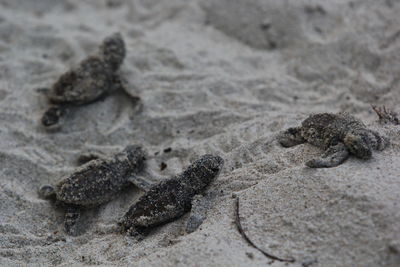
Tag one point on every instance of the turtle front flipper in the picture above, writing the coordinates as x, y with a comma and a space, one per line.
89, 156
332, 157
72, 215
200, 206
121, 85
291, 137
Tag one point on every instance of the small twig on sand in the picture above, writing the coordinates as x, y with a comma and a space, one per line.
386, 116
241, 231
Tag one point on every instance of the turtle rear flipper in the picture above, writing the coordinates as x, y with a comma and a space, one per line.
47, 191
43, 90
52, 116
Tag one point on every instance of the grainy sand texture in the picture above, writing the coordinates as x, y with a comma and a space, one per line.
214, 76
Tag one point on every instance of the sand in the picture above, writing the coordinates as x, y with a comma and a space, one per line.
214, 76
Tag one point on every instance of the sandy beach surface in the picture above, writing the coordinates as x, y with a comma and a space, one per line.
214, 76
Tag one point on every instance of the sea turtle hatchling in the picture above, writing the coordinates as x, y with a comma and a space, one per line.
94, 78
94, 183
338, 134
172, 198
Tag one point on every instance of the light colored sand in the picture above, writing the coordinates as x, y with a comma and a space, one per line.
215, 76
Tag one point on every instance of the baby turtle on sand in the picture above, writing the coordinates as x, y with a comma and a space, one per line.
94, 183
171, 198
338, 134
94, 78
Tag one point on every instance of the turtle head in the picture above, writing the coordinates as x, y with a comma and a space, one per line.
212, 163
204, 170
113, 50
135, 154
359, 143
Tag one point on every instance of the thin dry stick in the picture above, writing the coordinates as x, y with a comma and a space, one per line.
386, 115
379, 111
241, 231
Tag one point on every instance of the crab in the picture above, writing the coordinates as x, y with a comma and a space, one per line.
172, 198
94, 183
338, 134
93, 79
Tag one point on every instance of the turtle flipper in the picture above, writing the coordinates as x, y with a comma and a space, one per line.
200, 206
95, 152
72, 215
145, 180
291, 137
89, 156
137, 233
52, 116
120, 85
43, 90
332, 157
47, 191
381, 141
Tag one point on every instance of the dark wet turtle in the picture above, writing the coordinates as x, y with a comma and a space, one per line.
338, 134
95, 183
172, 198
